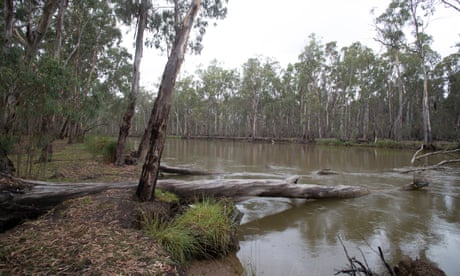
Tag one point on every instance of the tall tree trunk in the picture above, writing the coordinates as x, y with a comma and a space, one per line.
8, 13
59, 28
160, 112
129, 114
427, 136
398, 122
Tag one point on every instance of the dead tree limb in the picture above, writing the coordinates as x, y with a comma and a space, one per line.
415, 154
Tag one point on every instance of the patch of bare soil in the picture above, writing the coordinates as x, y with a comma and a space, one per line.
89, 235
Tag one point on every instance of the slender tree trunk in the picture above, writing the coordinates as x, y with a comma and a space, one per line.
366, 120
129, 114
398, 123
8, 13
427, 135
59, 28
160, 112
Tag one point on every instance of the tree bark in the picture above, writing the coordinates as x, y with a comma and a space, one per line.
127, 118
160, 112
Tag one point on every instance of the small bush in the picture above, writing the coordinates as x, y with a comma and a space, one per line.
109, 152
102, 146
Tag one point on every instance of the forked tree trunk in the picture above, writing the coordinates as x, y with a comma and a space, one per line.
127, 118
160, 112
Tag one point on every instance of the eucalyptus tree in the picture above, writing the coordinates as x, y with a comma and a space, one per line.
141, 13
164, 28
90, 34
256, 85
419, 12
330, 85
270, 99
389, 27
310, 68
288, 120
215, 83
161, 108
24, 27
446, 98
188, 108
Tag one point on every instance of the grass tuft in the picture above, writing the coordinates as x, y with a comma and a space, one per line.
205, 230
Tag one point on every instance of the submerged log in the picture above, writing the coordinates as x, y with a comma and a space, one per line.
182, 171
21, 199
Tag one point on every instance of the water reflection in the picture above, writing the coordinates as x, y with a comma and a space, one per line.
292, 237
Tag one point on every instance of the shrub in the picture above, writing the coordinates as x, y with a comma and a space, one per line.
102, 146
109, 152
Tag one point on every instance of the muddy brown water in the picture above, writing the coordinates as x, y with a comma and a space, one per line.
282, 236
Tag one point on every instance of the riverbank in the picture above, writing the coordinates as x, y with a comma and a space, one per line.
95, 234
384, 143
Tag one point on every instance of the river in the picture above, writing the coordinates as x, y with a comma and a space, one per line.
297, 237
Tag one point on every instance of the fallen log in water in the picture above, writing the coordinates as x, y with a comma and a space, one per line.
235, 188
20, 198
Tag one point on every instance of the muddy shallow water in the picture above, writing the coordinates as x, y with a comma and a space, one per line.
296, 237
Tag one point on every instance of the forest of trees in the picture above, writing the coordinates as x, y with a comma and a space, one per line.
407, 92
64, 73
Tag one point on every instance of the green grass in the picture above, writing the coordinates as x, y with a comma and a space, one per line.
166, 196
177, 241
332, 142
203, 231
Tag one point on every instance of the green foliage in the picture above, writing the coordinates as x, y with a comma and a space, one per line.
385, 143
101, 146
7, 143
204, 230
109, 153
332, 142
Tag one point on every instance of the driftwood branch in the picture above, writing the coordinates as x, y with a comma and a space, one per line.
432, 167
415, 154
436, 153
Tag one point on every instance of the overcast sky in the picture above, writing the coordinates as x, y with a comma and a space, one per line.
280, 30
